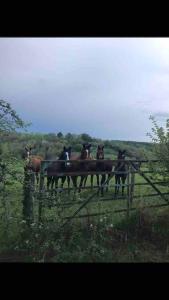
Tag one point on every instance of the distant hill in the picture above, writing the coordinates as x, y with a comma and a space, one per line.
53, 144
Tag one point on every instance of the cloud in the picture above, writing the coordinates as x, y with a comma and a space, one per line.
104, 87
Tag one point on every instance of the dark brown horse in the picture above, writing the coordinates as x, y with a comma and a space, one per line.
80, 166
102, 166
120, 168
59, 167
33, 162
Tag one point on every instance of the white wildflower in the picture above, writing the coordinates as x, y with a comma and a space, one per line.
23, 222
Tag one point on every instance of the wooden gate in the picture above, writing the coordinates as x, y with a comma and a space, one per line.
133, 167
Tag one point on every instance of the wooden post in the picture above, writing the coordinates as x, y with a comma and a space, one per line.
132, 187
128, 192
28, 188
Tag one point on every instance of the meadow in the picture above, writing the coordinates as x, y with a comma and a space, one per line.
111, 237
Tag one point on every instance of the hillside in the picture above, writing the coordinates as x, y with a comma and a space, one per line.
53, 144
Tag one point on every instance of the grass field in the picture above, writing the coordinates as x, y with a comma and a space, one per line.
112, 237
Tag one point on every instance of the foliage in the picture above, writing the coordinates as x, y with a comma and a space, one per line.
9, 119
90, 241
60, 135
160, 139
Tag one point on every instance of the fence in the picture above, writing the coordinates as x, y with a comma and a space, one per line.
132, 167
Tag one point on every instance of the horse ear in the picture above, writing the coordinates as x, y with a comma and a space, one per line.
26, 148
84, 145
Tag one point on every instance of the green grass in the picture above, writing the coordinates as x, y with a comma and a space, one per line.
144, 236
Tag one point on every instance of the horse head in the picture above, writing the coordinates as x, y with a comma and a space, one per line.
85, 152
100, 152
121, 154
65, 155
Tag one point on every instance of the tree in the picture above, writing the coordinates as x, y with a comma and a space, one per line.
69, 136
160, 139
60, 135
9, 119
86, 137
9, 122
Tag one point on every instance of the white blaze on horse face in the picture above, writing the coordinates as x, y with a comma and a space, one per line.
67, 158
87, 153
28, 157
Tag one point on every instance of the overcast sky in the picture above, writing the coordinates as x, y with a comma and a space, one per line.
106, 87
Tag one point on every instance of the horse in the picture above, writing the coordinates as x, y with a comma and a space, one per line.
105, 166
80, 166
58, 167
33, 162
120, 168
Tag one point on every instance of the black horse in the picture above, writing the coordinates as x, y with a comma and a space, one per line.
121, 170
59, 167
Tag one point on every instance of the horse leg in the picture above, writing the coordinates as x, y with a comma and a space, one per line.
56, 184
49, 179
123, 182
81, 182
63, 181
37, 177
117, 183
68, 182
85, 179
74, 180
108, 179
97, 176
102, 181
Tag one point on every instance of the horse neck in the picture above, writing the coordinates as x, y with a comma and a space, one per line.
82, 157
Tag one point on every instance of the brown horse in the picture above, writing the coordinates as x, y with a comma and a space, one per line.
102, 166
80, 166
33, 162
121, 172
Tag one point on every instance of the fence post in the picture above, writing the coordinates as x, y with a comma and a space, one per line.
28, 189
128, 191
132, 186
